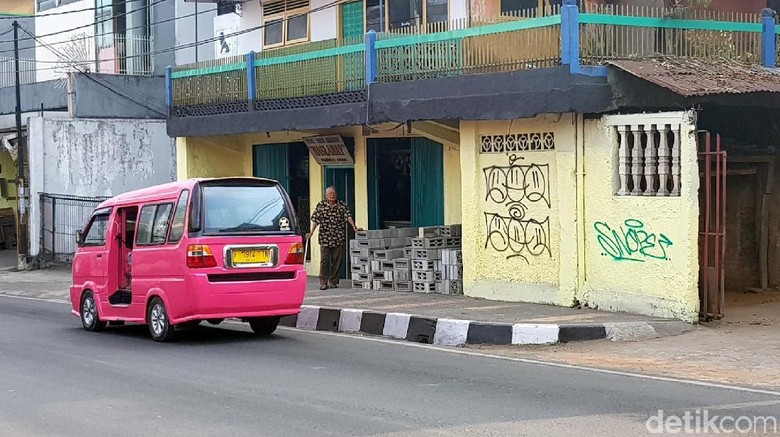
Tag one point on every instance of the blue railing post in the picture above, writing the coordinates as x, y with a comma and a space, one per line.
372, 61
570, 35
169, 88
251, 80
769, 40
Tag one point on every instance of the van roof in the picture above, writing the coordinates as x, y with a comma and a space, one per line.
168, 191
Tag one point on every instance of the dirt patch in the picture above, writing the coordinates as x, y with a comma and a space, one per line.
742, 349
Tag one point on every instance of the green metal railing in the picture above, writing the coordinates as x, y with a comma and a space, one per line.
472, 46
322, 67
516, 44
641, 33
218, 81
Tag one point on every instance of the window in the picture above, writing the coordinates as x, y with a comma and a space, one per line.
648, 159
44, 5
286, 22
437, 11
515, 7
224, 8
153, 224
96, 231
398, 14
246, 209
405, 13
177, 224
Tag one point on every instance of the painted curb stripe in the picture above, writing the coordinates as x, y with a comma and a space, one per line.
454, 332
488, 333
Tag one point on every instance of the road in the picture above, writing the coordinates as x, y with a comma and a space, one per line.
56, 379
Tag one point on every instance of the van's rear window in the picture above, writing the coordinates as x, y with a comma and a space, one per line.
245, 210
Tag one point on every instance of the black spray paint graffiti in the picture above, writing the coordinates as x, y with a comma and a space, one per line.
631, 242
514, 188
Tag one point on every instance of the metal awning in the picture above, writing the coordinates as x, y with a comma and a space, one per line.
693, 77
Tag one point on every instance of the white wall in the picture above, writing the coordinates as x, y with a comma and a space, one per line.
90, 157
185, 31
83, 46
324, 23
251, 17
459, 9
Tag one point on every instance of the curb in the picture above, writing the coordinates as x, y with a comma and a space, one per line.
454, 332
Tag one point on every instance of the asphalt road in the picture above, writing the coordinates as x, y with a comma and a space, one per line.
58, 380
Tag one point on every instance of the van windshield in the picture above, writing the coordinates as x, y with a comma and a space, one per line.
245, 209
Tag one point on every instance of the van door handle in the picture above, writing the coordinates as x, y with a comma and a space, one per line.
100, 255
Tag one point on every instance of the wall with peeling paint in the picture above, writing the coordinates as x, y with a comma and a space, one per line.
88, 157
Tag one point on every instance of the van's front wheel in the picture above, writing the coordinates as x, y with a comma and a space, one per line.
90, 318
264, 325
159, 325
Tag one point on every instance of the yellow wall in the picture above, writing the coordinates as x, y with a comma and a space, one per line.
198, 157
666, 287
9, 174
570, 262
17, 7
232, 155
452, 185
521, 259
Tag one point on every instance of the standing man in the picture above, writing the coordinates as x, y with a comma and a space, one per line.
332, 215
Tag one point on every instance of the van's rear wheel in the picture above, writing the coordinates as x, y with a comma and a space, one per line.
264, 325
159, 325
90, 318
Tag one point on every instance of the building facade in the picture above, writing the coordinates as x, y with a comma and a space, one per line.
550, 132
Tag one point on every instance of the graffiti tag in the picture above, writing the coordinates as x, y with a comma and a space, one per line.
516, 229
631, 242
520, 238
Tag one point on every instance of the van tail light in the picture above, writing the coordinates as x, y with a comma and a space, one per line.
295, 255
200, 256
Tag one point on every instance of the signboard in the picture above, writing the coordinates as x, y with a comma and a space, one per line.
329, 150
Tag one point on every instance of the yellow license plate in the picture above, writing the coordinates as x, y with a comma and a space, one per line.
251, 256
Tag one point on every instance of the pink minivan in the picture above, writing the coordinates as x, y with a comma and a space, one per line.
173, 255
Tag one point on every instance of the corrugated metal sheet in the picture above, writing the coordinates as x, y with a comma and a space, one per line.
699, 78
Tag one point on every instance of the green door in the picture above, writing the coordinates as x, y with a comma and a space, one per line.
427, 183
352, 20
343, 178
352, 71
271, 161
372, 177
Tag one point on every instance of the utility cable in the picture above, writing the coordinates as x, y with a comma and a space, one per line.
126, 30
198, 43
109, 88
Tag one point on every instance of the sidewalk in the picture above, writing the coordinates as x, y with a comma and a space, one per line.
423, 318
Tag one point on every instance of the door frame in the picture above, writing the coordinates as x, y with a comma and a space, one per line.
347, 264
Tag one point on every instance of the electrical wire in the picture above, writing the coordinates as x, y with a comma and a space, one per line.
52, 14
100, 83
156, 2
197, 43
157, 23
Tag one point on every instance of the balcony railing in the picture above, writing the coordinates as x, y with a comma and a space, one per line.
567, 36
123, 54
630, 32
8, 72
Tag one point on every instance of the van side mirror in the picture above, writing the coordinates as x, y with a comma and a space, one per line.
78, 237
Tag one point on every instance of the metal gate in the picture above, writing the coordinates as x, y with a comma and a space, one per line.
61, 216
712, 227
